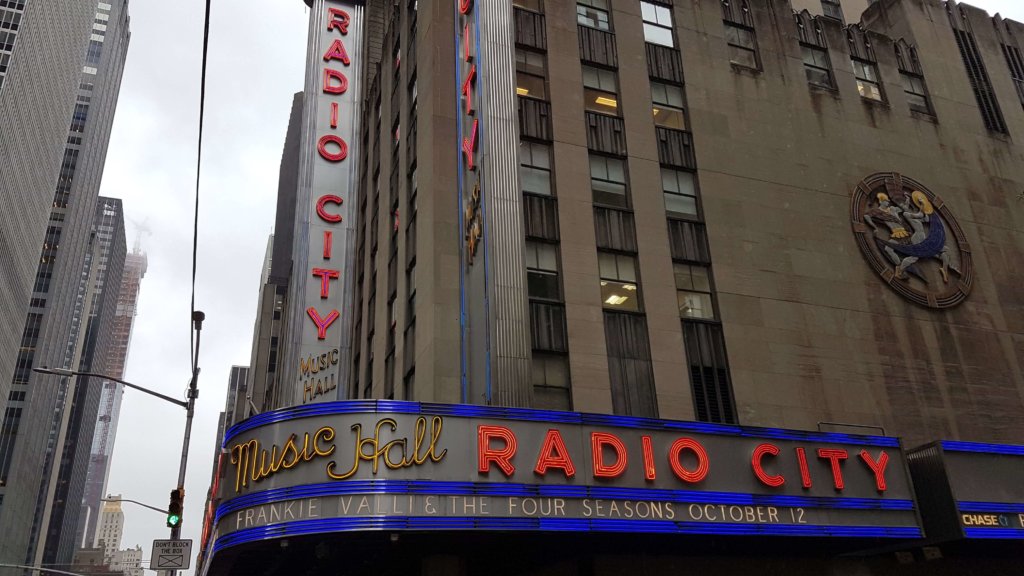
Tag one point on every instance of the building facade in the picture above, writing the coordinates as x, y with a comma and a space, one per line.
38, 408
709, 292
605, 242
38, 88
135, 266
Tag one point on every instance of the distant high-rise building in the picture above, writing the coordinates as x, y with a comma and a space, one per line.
111, 527
265, 377
135, 266
106, 262
38, 87
37, 419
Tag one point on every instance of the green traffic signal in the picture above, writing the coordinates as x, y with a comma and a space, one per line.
174, 508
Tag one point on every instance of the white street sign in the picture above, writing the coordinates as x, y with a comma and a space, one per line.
171, 555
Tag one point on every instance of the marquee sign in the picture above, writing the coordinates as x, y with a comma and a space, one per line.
327, 187
365, 465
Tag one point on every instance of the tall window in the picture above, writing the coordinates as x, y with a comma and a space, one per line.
981, 84
593, 13
817, 66
619, 287
531, 74
550, 379
739, 34
657, 24
868, 84
600, 90
542, 271
1015, 61
916, 93
680, 192
535, 167
693, 292
832, 9
608, 180
742, 45
668, 106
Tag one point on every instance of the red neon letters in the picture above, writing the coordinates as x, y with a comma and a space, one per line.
805, 474
328, 244
877, 467
467, 91
325, 280
650, 472
337, 52
330, 88
688, 458
500, 456
703, 464
834, 456
322, 324
321, 210
773, 480
332, 148
554, 454
598, 442
469, 147
338, 19
338, 156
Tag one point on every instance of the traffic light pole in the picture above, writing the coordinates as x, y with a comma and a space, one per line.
193, 393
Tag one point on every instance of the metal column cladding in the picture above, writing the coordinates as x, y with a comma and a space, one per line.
320, 318
495, 320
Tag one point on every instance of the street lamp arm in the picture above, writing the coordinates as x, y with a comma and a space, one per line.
40, 570
134, 502
65, 372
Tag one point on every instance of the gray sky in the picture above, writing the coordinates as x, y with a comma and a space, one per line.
257, 55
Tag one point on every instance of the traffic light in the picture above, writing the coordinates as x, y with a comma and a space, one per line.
174, 508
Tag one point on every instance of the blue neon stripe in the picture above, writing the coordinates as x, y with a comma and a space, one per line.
1009, 449
1009, 508
995, 533
425, 487
501, 413
306, 527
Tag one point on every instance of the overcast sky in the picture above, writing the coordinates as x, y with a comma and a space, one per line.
257, 54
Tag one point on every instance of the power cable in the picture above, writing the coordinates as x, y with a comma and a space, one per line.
199, 163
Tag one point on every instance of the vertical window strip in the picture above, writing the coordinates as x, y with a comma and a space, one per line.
978, 76
1015, 61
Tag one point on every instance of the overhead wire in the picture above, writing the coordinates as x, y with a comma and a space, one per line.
199, 163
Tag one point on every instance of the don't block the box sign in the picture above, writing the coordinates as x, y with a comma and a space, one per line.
365, 465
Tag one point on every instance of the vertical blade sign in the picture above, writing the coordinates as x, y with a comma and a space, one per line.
324, 346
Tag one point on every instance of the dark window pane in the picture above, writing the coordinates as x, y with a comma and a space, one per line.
530, 85
542, 285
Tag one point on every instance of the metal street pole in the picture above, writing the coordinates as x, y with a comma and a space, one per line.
189, 406
193, 393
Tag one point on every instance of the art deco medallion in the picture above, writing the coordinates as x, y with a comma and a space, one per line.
911, 239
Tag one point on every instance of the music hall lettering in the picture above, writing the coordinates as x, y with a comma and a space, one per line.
254, 462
